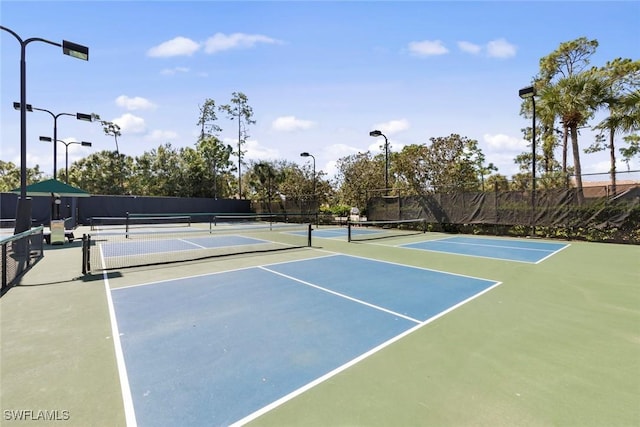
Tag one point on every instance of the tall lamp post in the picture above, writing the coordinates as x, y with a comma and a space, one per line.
78, 116
305, 154
525, 93
23, 211
376, 133
66, 152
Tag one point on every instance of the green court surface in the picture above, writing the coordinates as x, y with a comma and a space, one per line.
556, 344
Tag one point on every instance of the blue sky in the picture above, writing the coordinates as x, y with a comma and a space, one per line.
319, 75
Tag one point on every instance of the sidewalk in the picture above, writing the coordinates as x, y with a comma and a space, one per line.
57, 351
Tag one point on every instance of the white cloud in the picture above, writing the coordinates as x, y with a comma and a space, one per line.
469, 47
504, 162
340, 150
130, 124
392, 126
290, 123
179, 46
175, 70
501, 142
336, 151
135, 103
253, 151
219, 41
427, 48
501, 48
161, 136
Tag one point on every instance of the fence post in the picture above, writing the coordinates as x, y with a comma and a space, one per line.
4, 267
84, 254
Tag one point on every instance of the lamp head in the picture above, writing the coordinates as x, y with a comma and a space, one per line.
46, 139
527, 92
375, 133
305, 154
16, 105
85, 144
84, 117
75, 50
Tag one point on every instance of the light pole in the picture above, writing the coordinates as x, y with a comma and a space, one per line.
23, 211
305, 154
376, 133
66, 152
78, 116
530, 92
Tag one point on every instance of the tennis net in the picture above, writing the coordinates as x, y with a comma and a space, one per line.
374, 230
19, 253
134, 248
130, 222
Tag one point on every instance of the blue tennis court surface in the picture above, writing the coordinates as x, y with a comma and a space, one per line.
213, 349
510, 250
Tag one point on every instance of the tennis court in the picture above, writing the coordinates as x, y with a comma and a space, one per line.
337, 333
520, 250
231, 343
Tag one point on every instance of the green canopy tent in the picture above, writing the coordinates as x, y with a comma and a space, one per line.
53, 188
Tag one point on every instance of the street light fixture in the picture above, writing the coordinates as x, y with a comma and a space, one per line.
526, 93
306, 154
79, 116
23, 211
376, 133
66, 152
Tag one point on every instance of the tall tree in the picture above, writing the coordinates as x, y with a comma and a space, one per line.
216, 156
632, 150
95, 172
569, 59
10, 176
622, 77
413, 175
208, 118
112, 129
359, 177
239, 110
575, 99
264, 181
452, 164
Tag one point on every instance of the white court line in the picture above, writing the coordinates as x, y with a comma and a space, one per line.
127, 400
192, 243
351, 363
435, 251
359, 301
553, 253
218, 272
489, 245
408, 265
405, 246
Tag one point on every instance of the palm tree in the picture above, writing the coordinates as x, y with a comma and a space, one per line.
574, 99
622, 77
263, 179
624, 116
